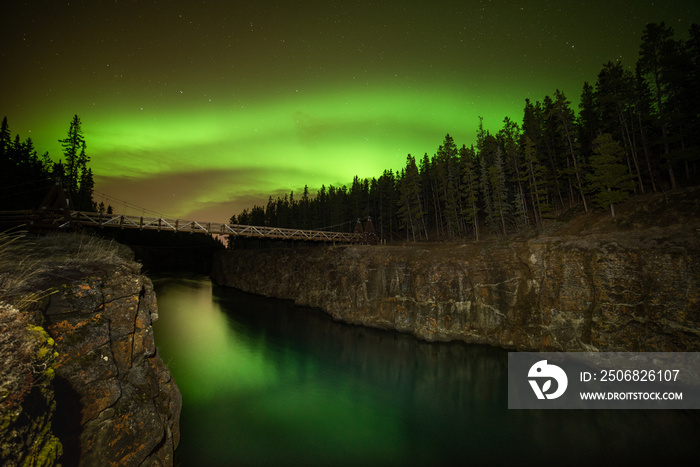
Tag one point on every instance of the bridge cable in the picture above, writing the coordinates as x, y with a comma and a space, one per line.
126, 204
363, 219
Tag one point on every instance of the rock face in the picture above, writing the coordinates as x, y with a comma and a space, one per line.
117, 402
637, 291
27, 400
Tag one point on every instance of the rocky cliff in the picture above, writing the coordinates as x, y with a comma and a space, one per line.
126, 405
625, 291
111, 398
27, 398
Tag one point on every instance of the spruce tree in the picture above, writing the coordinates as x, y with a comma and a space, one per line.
655, 39
447, 169
536, 181
587, 122
486, 195
509, 137
429, 177
564, 118
519, 213
84, 196
609, 180
642, 113
410, 206
5, 139
616, 97
469, 189
499, 191
74, 152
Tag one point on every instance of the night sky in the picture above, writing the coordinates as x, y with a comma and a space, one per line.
200, 109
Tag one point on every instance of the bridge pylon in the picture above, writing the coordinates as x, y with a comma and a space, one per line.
369, 233
57, 206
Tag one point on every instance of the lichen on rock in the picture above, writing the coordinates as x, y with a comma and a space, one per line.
109, 361
27, 403
87, 388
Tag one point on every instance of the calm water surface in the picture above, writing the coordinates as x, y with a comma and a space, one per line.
267, 383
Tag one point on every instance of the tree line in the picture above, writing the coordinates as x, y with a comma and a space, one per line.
26, 177
636, 130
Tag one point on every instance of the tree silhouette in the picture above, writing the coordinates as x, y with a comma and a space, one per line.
635, 124
74, 153
609, 180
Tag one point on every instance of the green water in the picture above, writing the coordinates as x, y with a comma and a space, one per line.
267, 383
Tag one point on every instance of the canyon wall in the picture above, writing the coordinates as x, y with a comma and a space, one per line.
117, 403
625, 291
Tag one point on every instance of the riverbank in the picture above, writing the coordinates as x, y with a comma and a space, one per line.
587, 284
110, 399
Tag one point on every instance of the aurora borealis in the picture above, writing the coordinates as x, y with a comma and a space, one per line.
200, 109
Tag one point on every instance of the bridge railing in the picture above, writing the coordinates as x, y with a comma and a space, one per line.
96, 219
14, 217
38, 219
181, 225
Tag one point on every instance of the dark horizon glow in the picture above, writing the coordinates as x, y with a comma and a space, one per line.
201, 109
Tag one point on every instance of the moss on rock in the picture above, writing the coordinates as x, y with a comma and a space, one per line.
27, 399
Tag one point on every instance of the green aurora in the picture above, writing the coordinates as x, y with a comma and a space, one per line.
200, 109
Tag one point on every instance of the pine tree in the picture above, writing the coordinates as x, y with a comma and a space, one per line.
321, 203
5, 139
447, 170
693, 49
681, 106
74, 152
536, 183
486, 195
410, 205
564, 117
84, 196
519, 213
470, 189
428, 174
499, 191
257, 215
415, 191
509, 137
531, 123
654, 41
615, 94
587, 122
21, 165
553, 149
609, 180
642, 106
46, 163
83, 160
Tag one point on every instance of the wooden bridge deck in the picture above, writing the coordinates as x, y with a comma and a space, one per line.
44, 220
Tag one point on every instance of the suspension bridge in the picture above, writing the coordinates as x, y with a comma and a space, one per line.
55, 213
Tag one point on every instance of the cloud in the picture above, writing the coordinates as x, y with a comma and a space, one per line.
206, 195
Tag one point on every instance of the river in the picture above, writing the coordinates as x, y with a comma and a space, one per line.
265, 382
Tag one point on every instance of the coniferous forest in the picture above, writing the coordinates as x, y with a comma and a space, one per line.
26, 177
636, 130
